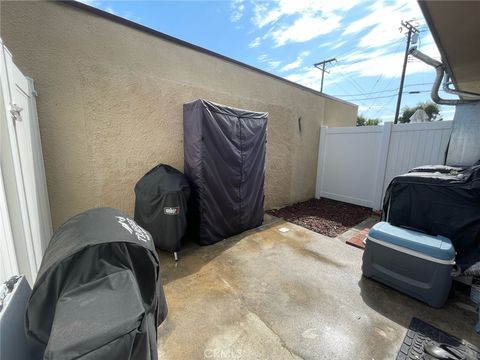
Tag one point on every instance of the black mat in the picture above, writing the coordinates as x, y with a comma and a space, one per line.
420, 332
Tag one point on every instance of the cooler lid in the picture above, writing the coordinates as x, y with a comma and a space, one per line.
438, 247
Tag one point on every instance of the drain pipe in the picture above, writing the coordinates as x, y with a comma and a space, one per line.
440, 69
447, 89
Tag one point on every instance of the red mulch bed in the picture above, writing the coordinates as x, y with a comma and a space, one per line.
324, 216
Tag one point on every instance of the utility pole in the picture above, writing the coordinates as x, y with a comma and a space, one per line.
321, 66
411, 30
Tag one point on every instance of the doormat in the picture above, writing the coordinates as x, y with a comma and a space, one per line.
357, 240
420, 333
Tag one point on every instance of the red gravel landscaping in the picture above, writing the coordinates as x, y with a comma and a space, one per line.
324, 216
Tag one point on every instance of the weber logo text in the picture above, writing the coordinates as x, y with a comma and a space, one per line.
171, 210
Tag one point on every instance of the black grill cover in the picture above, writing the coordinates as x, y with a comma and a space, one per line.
440, 203
224, 152
161, 197
98, 293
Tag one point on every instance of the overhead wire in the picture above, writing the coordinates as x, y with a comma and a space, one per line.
388, 96
400, 42
380, 91
355, 84
352, 82
387, 103
359, 87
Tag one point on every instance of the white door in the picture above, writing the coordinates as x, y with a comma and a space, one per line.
25, 225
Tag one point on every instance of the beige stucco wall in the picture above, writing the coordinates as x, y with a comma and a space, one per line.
110, 106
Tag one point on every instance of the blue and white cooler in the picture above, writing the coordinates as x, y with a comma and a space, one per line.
414, 263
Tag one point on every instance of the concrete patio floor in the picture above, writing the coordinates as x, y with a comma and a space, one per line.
265, 294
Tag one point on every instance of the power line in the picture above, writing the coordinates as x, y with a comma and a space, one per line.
341, 86
352, 81
387, 103
350, 76
388, 96
381, 75
361, 49
373, 103
380, 91
375, 97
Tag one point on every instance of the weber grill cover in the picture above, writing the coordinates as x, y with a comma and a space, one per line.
161, 197
438, 203
98, 294
224, 152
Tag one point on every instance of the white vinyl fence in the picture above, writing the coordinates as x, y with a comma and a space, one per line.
356, 164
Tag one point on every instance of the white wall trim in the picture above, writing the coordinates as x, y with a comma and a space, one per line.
8, 256
26, 222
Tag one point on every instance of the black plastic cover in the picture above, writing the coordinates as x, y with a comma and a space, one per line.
98, 294
439, 203
224, 152
161, 198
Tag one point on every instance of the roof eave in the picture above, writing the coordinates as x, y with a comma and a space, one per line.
428, 18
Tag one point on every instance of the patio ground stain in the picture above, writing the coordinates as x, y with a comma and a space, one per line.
272, 295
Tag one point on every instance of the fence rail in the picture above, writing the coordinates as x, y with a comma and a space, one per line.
356, 164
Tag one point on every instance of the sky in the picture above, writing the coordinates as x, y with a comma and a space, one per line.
286, 37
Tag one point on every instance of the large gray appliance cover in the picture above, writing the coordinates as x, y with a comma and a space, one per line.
224, 152
14, 295
98, 294
464, 149
439, 203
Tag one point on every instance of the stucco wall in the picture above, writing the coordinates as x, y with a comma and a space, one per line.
110, 106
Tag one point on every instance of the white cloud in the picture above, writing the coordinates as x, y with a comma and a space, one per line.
339, 44
299, 20
263, 57
305, 28
263, 16
326, 44
237, 7
110, 10
362, 55
255, 42
312, 77
293, 65
297, 63
370, 20
273, 64
88, 2
374, 44
373, 63
388, 65
333, 44
383, 22
266, 13
102, 6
